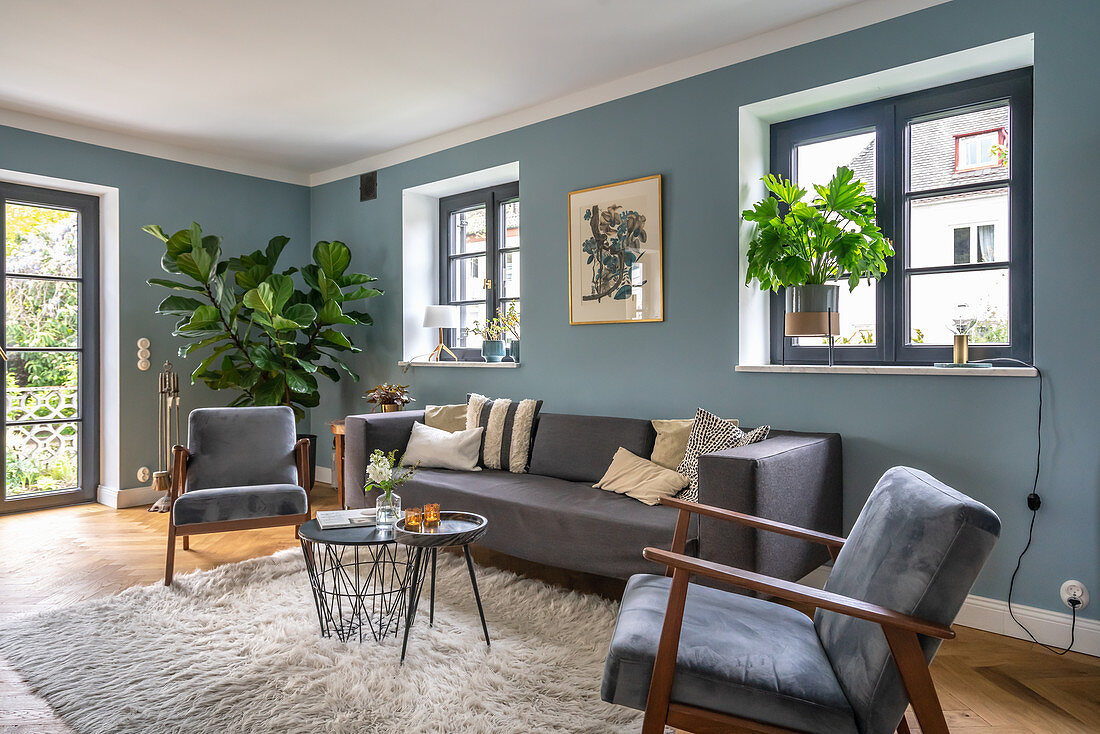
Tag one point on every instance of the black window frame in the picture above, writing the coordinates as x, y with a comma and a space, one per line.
493, 198
890, 119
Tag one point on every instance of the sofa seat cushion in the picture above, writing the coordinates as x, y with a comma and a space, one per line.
238, 503
548, 520
738, 655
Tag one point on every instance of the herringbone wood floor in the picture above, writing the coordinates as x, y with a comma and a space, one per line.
988, 684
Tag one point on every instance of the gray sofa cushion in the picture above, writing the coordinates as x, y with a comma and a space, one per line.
738, 655
233, 447
238, 503
917, 548
550, 521
580, 447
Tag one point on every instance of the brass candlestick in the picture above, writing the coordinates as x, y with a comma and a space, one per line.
960, 353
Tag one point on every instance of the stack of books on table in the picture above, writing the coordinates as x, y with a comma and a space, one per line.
329, 519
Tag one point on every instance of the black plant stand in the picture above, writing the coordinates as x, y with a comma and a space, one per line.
455, 529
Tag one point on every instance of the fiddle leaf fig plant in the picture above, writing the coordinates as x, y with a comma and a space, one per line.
257, 331
832, 237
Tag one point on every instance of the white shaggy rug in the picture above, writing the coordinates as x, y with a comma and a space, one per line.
237, 649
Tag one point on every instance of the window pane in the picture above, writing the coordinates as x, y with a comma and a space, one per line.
815, 163
467, 316
504, 307
41, 241
41, 385
857, 318
937, 299
959, 149
42, 313
41, 458
959, 229
468, 231
509, 274
468, 278
511, 224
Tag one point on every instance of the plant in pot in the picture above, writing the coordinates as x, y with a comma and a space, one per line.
805, 247
258, 333
389, 397
492, 337
511, 323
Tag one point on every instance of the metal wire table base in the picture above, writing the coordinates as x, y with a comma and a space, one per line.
358, 590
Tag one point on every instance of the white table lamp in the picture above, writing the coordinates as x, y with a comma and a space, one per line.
441, 317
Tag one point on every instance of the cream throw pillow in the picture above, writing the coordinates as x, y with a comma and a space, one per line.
672, 439
641, 479
434, 448
449, 418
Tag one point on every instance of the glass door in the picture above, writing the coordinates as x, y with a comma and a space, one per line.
49, 338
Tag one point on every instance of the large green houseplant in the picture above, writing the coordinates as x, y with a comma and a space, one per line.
805, 247
260, 334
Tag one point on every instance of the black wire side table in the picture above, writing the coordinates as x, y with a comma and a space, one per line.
358, 577
454, 529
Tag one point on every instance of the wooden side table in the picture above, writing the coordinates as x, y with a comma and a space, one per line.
337, 428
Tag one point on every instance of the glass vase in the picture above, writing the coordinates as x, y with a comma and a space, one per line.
388, 509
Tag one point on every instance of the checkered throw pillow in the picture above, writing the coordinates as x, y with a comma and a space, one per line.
711, 433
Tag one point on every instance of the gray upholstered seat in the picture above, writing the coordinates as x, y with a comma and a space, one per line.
916, 548
238, 503
738, 655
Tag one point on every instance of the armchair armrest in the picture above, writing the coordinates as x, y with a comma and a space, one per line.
832, 542
795, 592
180, 457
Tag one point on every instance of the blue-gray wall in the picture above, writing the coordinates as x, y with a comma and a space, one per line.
976, 434
246, 211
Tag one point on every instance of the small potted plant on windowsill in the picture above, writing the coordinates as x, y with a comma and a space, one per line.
492, 337
389, 397
805, 248
511, 322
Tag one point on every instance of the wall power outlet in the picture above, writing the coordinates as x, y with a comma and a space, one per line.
1075, 590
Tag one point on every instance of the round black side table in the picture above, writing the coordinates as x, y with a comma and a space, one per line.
454, 529
358, 576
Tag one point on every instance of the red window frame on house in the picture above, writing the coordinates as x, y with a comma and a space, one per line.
1002, 137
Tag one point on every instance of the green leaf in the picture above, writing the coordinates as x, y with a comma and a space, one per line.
275, 248
362, 292
333, 336
302, 314
179, 243
196, 264
333, 257
331, 313
297, 382
362, 317
156, 231
328, 289
354, 279
251, 277
178, 306
264, 358
270, 391
164, 282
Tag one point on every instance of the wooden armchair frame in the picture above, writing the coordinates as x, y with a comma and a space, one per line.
180, 458
901, 630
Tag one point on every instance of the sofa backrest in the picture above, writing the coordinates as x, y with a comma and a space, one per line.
580, 447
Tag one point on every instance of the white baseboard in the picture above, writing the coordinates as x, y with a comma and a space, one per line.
132, 497
324, 474
991, 615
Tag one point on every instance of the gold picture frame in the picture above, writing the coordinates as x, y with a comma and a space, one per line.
612, 229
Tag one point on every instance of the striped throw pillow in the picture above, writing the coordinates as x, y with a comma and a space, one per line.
509, 428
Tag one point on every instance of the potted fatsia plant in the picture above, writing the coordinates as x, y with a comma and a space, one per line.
258, 332
804, 247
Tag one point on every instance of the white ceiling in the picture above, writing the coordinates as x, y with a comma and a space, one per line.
308, 86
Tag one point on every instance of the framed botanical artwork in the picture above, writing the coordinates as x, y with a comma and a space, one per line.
615, 253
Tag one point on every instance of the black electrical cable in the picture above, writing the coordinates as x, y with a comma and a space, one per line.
1033, 504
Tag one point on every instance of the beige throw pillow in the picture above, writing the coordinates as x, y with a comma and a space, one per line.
641, 479
450, 418
672, 439
435, 448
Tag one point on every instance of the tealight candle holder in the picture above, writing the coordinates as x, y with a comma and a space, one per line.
431, 515
412, 518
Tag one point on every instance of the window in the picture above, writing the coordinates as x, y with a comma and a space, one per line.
950, 169
479, 260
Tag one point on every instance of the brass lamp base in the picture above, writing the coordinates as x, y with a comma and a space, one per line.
437, 353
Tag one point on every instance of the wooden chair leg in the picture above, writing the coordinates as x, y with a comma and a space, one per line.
187, 542
170, 561
917, 680
903, 726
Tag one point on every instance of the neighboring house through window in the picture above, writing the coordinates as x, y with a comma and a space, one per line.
950, 169
479, 260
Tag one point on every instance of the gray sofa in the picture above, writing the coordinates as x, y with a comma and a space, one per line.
553, 516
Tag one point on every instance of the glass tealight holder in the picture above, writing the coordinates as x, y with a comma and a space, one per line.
431, 515
412, 519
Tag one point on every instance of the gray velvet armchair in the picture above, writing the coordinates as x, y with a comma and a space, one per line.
243, 468
706, 660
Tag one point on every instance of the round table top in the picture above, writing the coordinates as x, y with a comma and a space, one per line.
372, 535
455, 528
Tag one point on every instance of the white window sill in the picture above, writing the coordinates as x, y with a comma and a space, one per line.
855, 369
482, 365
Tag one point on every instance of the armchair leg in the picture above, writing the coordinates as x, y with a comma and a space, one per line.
170, 561
909, 657
187, 542
903, 726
